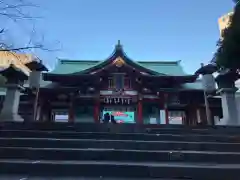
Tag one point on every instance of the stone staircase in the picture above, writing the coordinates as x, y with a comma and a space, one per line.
72, 151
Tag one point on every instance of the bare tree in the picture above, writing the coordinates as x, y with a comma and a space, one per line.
19, 11
15, 9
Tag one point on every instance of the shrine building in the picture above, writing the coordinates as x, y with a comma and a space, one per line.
142, 92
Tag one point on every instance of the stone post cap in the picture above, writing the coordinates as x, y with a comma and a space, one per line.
227, 90
36, 65
13, 73
207, 69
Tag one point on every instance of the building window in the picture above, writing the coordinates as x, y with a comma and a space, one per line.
60, 115
119, 81
127, 83
176, 117
111, 83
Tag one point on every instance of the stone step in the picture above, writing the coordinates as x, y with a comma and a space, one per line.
26, 177
123, 136
119, 144
130, 128
120, 169
120, 155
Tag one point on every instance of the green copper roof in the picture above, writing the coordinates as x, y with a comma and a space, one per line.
163, 67
151, 67
69, 66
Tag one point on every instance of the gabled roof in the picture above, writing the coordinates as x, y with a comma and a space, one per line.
19, 60
13, 72
151, 67
162, 67
119, 56
119, 62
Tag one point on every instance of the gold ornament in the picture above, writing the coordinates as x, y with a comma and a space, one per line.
119, 62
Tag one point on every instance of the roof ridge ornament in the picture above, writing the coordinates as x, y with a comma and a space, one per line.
119, 46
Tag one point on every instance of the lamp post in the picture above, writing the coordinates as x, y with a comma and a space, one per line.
35, 108
36, 66
207, 108
208, 84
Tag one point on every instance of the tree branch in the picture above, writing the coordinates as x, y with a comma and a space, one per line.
22, 48
16, 10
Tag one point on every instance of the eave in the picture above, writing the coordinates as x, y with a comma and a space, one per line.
114, 68
177, 79
69, 77
207, 69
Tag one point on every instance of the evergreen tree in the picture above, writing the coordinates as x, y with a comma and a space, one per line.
228, 52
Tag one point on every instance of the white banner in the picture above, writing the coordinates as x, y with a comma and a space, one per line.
162, 117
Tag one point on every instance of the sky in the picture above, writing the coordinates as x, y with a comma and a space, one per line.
154, 30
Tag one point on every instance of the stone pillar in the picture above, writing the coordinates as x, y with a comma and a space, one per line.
34, 79
209, 86
11, 103
15, 79
226, 83
229, 108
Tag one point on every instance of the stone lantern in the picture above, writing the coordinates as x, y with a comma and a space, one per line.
35, 77
36, 67
15, 79
209, 86
226, 84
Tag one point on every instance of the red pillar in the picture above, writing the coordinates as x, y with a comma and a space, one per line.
139, 116
71, 113
166, 108
96, 111
166, 115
